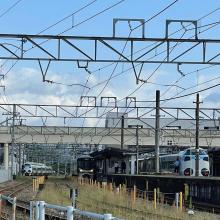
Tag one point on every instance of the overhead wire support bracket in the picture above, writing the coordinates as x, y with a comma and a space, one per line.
132, 100
179, 70
90, 99
194, 22
109, 98
44, 73
82, 64
129, 20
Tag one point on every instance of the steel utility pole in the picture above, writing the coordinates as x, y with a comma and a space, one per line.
137, 150
19, 150
157, 132
122, 131
197, 134
13, 140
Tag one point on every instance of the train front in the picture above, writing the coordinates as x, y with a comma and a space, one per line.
27, 169
85, 167
188, 161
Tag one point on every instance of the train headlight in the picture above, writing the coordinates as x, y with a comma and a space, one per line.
80, 170
91, 170
205, 172
188, 172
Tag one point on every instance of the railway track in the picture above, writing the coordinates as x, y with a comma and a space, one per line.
22, 205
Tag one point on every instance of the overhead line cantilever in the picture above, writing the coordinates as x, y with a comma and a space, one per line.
106, 43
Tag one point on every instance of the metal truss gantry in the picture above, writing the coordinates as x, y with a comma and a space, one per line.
89, 49
131, 109
25, 129
97, 46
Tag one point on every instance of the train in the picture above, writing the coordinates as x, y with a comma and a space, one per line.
84, 166
187, 160
36, 169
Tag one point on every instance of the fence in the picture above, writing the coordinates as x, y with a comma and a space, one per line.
37, 181
158, 198
39, 208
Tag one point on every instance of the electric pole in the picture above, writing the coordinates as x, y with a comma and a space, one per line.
137, 150
13, 140
19, 150
122, 131
197, 134
157, 133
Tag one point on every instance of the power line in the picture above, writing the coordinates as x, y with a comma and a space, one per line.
10, 8
131, 29
68, 16
85, 20
154, 16
192, 93
204, 16
160, 64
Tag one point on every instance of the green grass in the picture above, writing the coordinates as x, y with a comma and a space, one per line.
92, 198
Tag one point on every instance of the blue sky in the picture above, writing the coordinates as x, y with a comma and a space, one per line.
24, 82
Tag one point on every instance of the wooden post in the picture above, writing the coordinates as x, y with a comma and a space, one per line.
119, 189
158, 195
181, 201
33, 184
162, 198
186, 189
155, 198
124, 189
110, 186
134, 194
146, 187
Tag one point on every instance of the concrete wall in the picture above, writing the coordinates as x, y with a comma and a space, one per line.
5, 175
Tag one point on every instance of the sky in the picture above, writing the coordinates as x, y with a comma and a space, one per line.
23, 83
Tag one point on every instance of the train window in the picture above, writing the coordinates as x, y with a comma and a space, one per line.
211, 128
206, 159
202, 152
188, 152
187, 158
193, 152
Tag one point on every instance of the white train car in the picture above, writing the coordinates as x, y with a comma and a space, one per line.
36, 169
187, 163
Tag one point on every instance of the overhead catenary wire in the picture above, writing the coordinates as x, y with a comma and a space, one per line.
10, 8
148, 20
131, 29
204, 68
193, 71
67, 17
180, 77
114, 76
61, 20
76, 25
85, 20
192, 93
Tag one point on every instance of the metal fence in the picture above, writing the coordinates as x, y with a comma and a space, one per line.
38, 210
